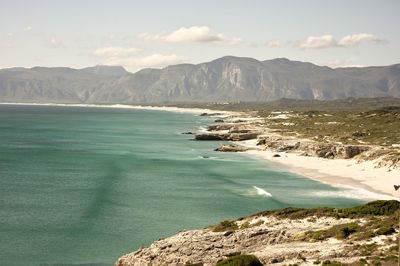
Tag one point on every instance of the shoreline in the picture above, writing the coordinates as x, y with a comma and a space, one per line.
335, 172
128, 106
365, 179
361, 187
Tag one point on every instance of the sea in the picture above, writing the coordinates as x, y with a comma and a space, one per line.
85, 185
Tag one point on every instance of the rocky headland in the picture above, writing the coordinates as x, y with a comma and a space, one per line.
242, 127
363, 235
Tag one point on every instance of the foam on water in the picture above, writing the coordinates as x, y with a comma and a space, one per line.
353, 193
262, 192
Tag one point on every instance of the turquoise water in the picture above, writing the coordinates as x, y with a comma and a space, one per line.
86, 185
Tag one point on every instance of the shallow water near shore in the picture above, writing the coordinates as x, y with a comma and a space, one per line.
87, 185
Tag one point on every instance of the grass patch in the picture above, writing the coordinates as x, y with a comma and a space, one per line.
341, 231
225, 226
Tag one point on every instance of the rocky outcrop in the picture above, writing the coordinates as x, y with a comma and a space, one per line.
270, 240
279, 143
210, 136
244, 128
231, 148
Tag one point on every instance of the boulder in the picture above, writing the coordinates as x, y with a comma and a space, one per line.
242, 136
347, 152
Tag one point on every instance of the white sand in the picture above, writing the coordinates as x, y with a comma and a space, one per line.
127, 106
369, 181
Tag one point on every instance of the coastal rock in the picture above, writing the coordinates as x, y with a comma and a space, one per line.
220, 127
210, 136
210, 114
231, 148
350, 151
226, 136
242, 136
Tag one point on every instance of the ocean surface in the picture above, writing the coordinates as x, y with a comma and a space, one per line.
87, 185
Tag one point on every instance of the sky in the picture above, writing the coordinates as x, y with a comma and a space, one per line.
142, 34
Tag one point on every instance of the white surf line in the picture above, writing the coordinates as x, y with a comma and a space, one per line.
126, 106
262, 192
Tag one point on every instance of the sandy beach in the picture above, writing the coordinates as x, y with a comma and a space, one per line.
369, 180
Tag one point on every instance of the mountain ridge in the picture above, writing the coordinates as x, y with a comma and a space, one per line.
225, 79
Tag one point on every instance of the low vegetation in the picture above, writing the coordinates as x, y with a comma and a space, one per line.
373, 121
225, 226
377, 218
374, 127
341, 231
379, 207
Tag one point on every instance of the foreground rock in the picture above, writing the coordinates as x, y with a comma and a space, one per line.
283, 237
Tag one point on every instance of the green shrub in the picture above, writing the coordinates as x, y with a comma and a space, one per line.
340, 231
379, 207
225, 226
240, 260
385, 230
345, 230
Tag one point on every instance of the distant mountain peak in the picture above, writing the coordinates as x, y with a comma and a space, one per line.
104, 70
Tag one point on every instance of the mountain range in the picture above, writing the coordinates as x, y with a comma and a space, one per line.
227, 79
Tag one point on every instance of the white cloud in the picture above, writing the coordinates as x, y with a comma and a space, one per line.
313, 42
273, 44
28, 28
54, 43
269, 44
200, 34
157, 60
328, 41
115, 51
346, 62
355, 39
150, 61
